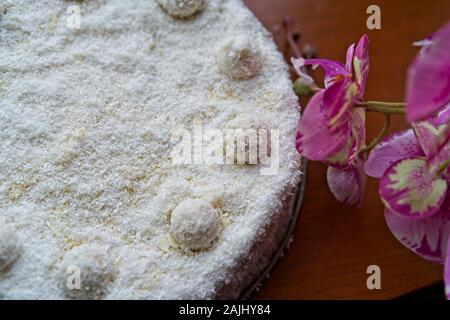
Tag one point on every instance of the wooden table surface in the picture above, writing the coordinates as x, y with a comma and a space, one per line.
335, 243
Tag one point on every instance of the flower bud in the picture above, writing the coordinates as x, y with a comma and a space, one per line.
303, 88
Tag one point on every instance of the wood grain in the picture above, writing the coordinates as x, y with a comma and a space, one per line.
335, 243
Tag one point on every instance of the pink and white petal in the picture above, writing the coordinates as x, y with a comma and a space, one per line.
347, 184
442, 155
342, 158
411, 189
427, 237
299, 64
447, 271
337, 100
357, 136
428, 79
332, 69
361, 177
391, 149
358, 125
443, 145
348, 155
425, 43
433, 135
349, 58
443, 116
442, 122
314, 139
426, 134
361, 64
446, 174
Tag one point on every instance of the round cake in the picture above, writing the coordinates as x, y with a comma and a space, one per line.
128, 132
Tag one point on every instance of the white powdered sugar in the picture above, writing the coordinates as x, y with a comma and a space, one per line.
86, 116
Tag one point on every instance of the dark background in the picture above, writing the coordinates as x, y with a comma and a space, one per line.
335, 243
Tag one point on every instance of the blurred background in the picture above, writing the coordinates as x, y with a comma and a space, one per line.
335, 243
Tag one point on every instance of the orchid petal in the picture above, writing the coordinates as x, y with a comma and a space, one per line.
391, 149
428, 86
411, 189
423, 43
337, 100
447, 272
344, 157
314, 139
349, 58
358, 126
443, 116
348, 155
446, 174
333, 69
442, 149
361, 64
347, 184
338, 103
427, 237
433, 135
299, 65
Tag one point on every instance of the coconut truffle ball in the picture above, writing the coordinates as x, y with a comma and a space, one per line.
254, 136
9, 248
181, 8
194, 224
239, 58
86, 272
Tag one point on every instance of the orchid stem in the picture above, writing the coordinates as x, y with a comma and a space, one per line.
381, 135
384, 107
287, 23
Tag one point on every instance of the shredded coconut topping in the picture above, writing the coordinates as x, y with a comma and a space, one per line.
9, 248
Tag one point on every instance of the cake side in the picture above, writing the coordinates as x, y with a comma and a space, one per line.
87, 118
244, 276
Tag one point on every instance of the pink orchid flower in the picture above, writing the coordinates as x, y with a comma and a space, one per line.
413, 167
414, 187
332, 128
428, 85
